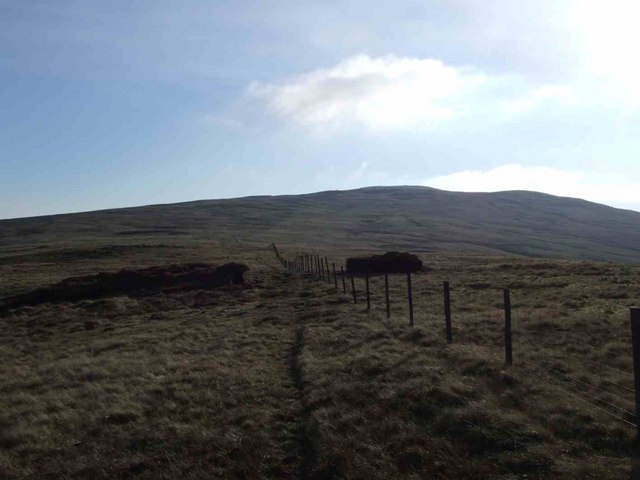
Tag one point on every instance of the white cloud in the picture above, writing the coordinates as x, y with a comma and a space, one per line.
391, 92
608, 35
617, 191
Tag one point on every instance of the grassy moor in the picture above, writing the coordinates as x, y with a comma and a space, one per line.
284, 376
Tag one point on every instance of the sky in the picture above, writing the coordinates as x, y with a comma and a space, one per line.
120, 103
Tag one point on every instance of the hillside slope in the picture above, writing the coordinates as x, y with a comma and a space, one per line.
414, 218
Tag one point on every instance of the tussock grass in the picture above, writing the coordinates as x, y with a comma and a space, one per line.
287, 378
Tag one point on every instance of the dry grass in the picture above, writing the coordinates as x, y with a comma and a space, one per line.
286, 378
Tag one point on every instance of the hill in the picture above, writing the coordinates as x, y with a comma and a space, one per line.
413, 218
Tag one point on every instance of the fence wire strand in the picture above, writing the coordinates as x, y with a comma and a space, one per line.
567, 384
588, 384
578, 397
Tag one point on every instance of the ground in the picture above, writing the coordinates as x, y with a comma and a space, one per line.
285, 377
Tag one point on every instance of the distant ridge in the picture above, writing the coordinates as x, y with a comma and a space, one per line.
406, 217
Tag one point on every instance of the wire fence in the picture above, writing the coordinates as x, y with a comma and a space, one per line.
622, 404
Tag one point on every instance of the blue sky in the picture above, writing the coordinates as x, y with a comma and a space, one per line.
110, 104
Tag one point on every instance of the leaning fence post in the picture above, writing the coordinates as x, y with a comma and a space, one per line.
410, 299
635, 343
386, 294
353, 290
447, 312
344, 283
366, 279
508, 353
335, 277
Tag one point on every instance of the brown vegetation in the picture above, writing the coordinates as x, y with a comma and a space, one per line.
287, 378
132, 281
390, 262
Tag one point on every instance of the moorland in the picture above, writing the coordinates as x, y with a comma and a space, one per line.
285, 377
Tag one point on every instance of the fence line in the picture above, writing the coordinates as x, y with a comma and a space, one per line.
314, 265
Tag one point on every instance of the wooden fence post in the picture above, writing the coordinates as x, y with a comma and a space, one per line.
344, 283
321, 268
447, 312
508, 353
353, 290
635, 343
410, 299
335, 277
386, 294
326, 261
366, 279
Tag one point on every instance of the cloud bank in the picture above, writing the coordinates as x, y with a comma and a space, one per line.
395, 93
617, 191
